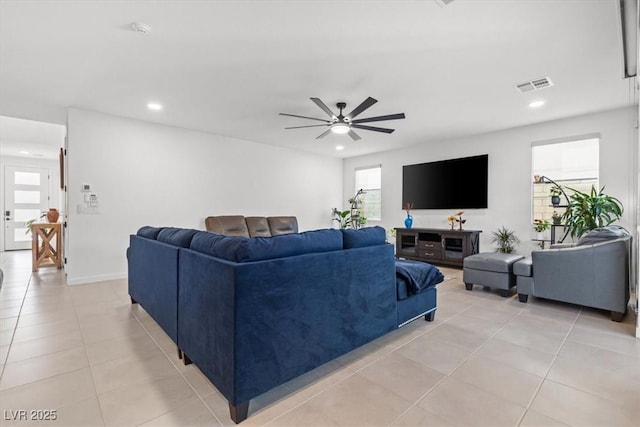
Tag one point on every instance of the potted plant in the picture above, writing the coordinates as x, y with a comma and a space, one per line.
505, 239
556, 218
556, 192
540, 226
350, 217
587, 211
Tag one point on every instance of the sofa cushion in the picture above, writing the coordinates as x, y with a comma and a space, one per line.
258, 226
368, 236
177, 236
242, 249
603, 234
149, 232
524, 267
229, 225
492, 261
217, 245
282, 225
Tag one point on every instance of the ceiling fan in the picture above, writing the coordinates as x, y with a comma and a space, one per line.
342, 124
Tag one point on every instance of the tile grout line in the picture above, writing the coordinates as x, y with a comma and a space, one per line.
553, 361
201, 398
455, 369
84, 347
24, 297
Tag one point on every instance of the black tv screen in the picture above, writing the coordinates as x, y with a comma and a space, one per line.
447, 184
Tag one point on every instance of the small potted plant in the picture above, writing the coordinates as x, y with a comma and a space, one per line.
556, 192
556, 218
505, 239
540, 226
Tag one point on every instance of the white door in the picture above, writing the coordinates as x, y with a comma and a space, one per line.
26, 197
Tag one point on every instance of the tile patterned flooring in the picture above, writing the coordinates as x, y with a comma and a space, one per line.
87, 353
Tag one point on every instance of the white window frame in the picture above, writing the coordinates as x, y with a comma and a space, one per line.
369, 192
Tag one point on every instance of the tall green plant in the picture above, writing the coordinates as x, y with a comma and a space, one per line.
505, 239
587, 211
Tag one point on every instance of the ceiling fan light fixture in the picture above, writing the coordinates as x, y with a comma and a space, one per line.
340, 128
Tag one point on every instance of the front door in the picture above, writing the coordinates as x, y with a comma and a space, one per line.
26, 197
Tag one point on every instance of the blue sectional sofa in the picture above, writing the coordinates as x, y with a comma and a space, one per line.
253, 313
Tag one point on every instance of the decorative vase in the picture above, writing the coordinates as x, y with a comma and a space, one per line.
53, 215
408, 221
452, 226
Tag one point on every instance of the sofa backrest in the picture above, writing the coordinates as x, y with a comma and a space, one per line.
149, 232
228, 225
282, 225
368, 236
258, 226
251, 226
180, 237
243, 249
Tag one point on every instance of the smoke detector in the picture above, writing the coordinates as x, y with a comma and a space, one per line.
139, 27
536, 84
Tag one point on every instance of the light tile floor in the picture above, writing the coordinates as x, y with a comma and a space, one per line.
87, 353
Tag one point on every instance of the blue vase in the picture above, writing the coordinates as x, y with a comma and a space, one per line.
408, 221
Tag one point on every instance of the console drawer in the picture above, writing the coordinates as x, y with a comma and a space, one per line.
429, 246
430, 253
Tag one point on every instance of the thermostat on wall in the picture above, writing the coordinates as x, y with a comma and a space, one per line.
86, 188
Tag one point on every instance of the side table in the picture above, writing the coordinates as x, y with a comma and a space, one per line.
46, 245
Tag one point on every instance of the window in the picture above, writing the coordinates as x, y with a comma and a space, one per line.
370, 180
572, 164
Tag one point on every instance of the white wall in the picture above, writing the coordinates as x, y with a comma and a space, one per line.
55, 195
510, 174
148, 174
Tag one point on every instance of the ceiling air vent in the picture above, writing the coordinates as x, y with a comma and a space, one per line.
536, 84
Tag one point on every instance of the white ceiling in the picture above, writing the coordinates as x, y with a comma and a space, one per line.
30, 139
229, 67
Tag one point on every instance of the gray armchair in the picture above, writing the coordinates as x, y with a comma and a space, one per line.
593, 273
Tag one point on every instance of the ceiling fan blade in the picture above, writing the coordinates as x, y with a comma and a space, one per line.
354, 135
380, 118
360, 108
373, 128
324, 107
308, 126
304, 117
323, 134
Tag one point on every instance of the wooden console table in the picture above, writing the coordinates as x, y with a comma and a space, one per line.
46, 245
437, 246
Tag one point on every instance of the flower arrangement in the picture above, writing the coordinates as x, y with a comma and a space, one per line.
452, 220
407, 207
459, 219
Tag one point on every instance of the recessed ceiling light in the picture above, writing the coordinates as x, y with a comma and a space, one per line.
140, 27
536, 104
154, 106
339, 147
24, 152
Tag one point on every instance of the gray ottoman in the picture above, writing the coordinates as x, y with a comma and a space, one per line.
492, 269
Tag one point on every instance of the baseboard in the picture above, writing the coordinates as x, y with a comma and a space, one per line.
93, 279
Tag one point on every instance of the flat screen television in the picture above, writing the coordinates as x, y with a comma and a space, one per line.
447, 184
